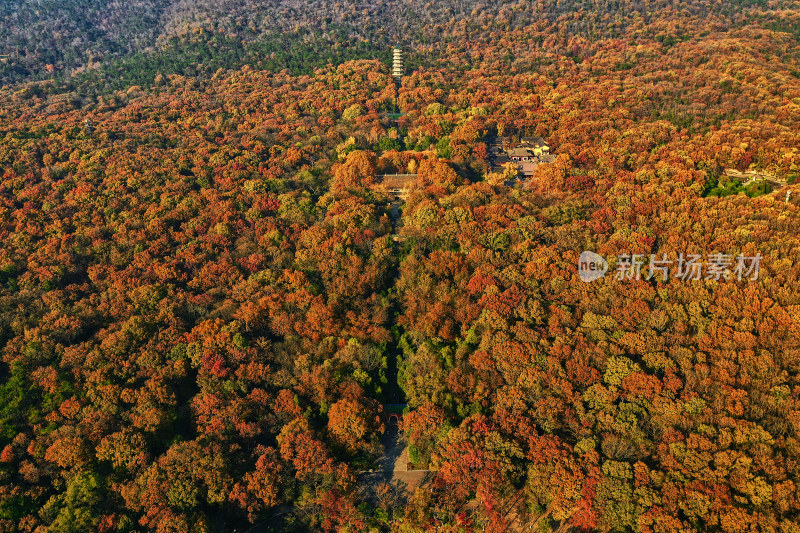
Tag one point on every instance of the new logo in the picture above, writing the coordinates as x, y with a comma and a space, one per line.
591, 266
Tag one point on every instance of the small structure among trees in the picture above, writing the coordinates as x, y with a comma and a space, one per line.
395, 185
526, 155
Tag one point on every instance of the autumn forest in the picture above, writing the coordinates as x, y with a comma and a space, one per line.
213, 318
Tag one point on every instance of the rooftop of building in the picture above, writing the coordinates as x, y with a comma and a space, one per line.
535, 141
519, 152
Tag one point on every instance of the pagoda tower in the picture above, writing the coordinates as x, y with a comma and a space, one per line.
397, 63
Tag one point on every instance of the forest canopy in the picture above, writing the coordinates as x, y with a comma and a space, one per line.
210, 307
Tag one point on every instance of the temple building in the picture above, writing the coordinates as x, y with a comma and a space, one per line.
526, 155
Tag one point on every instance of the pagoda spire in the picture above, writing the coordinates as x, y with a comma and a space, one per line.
397, 62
